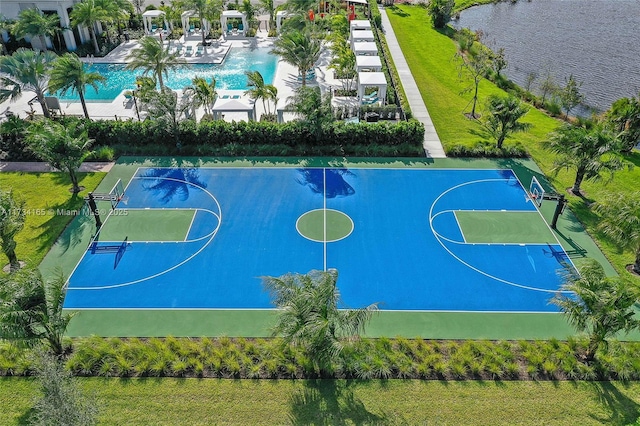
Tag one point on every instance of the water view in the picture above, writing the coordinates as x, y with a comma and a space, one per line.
595, 40
229, 75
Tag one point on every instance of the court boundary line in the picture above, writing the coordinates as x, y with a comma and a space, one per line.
213, 234
436, 234
438, 311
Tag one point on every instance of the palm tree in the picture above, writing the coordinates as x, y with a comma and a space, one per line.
89, 13
26, 70
313, 109
590, 151
620, 221
203, 93
69, 74
309, 315
32, 22
268, 7
200, 7
599, 306
153, 57
63, 147
5, 25
299, 49
12, 217
259, 90
31, 310
503, 117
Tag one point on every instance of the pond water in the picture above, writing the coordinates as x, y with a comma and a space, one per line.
595, 40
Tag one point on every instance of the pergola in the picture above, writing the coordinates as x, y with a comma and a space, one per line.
234, 105
368, 63
361, 35
359, 24
185, 21
280, 16
372, 79
231, 14
147, 18
365, 48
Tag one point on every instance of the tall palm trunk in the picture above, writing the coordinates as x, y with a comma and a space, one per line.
43, 42
9, 250
43, 104
576, 184
74, 180
83, 102
94, 39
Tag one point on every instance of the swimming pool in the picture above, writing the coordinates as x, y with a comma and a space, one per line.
229, 75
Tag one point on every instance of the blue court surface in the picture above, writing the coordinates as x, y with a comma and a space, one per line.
417, 239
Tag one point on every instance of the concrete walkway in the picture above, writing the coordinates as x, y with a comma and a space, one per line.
37, 167
432, 146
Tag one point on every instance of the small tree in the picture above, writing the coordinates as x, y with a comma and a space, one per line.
31, 310
624, 118
570, 96
152, 57
165, 107
503, 117
32, 22
601, 307
26, 71
61, 401
620, 221
88, 13
63, 147
203, 93
310, 317
440, 12
475, 65
548, 86
314, 110
591, 152
12, 217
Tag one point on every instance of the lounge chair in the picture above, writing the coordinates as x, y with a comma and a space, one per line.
370, 96
188, 51
53, 105
369, 101
224, 97
240, 28
199, 50
128, 98
178, 49
236, 97
229, 28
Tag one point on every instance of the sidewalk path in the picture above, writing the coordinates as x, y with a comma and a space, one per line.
432, 146
36, 167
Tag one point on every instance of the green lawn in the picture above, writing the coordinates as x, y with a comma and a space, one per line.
430, 55
49, 206
218, 401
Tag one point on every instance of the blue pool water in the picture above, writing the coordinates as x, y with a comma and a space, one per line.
229, 75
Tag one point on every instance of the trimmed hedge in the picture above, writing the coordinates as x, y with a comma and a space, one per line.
150, 137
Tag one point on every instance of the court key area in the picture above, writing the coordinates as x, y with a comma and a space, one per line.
410, 239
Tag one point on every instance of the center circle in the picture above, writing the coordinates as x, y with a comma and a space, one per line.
324, 225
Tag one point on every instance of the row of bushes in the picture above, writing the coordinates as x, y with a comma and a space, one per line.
367, 359
243, 138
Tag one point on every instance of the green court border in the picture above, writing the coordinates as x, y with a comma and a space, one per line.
256, 323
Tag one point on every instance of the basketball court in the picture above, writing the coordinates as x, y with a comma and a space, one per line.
182, 242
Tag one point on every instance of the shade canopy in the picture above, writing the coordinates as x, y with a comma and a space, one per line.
368, 63
233, 14
281, 15
372, 79
361, 35
365, 48
357, 1
185, 16
147, 18
234, 105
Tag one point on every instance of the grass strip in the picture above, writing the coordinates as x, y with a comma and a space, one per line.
258, 402
50, 207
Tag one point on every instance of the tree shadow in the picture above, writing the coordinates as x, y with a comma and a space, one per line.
169, 183
622, 409
57, 228
331, 402
27, 417
397, 11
